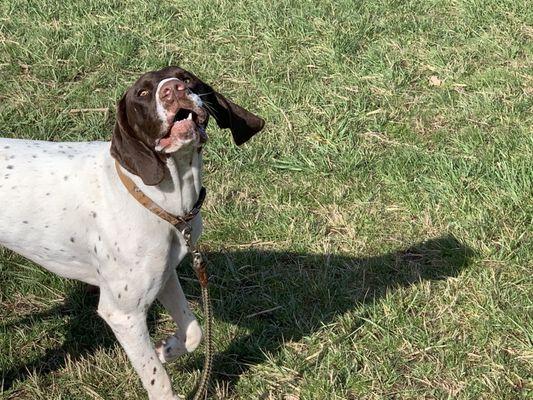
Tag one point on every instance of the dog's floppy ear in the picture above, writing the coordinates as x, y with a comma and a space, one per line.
242, 123
133, 154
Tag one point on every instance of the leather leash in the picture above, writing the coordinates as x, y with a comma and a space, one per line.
183, 225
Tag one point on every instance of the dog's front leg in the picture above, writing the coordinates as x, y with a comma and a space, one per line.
189, 334
132, 332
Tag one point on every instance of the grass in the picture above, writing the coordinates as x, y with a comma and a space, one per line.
374, 242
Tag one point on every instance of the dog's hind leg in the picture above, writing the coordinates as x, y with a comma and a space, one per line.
132, 332
189, 334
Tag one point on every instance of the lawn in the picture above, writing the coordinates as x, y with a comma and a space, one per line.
373, 242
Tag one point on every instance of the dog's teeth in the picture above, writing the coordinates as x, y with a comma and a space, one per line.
190, 116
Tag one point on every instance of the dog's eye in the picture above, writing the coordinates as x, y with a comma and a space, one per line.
186, 80
143, 93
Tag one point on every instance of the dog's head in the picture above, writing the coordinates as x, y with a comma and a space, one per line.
167, 110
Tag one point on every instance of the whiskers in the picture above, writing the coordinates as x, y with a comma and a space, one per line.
204, 94
205, 103
209, 108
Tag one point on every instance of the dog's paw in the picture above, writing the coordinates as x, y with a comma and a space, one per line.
180, 343
170, 348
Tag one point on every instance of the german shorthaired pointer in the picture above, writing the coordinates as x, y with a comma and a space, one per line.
64, 207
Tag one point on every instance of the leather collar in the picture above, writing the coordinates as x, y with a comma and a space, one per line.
179, 222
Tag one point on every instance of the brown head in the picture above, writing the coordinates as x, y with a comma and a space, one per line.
167, 110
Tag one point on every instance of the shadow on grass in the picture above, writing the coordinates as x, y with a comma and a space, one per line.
302, 291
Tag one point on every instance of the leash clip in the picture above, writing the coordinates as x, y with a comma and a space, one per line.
198, 262
187, 232
200, 268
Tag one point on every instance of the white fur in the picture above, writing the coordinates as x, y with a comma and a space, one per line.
64, 207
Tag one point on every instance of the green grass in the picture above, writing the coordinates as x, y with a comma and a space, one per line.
374, 242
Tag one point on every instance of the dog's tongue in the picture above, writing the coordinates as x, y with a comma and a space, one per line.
181, 130
165, 142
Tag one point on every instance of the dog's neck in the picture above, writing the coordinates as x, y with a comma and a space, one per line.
182, 188
179, 190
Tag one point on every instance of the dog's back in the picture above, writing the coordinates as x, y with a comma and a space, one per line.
43, 199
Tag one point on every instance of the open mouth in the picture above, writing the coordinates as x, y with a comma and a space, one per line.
186, 126
185, 114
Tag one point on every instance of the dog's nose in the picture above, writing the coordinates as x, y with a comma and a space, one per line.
173, 88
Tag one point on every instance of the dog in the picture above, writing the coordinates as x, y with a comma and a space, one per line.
64, 206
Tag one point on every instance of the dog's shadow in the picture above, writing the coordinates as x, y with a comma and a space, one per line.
276, 296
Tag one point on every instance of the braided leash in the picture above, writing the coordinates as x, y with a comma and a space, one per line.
200, 268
